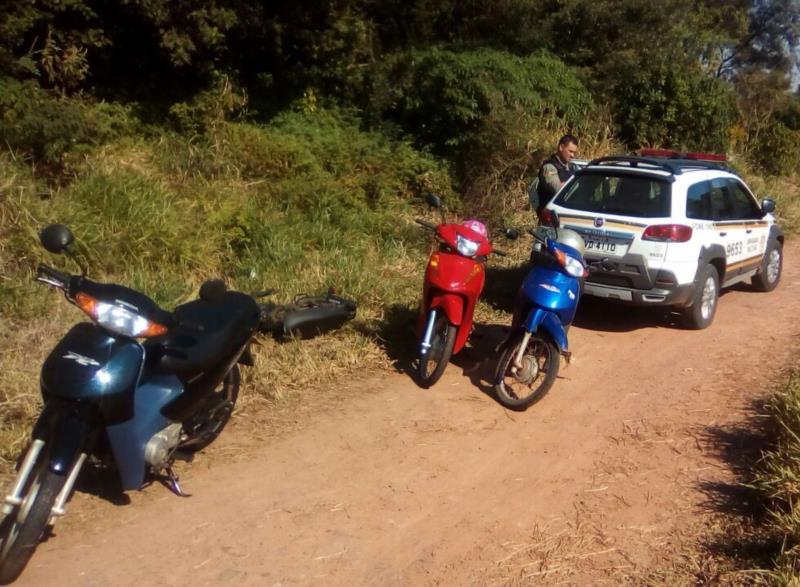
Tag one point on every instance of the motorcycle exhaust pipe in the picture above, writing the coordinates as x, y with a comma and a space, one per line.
426, 339
521, 352
15, 498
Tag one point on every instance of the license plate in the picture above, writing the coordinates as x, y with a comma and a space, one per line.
605, 246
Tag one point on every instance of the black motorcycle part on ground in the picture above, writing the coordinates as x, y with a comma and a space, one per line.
91, 365
307, 316
210, 336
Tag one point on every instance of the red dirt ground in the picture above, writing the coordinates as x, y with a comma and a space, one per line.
393, 485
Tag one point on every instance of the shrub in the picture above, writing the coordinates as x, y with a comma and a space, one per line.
777, 149
446, 98
45, 128
669, 105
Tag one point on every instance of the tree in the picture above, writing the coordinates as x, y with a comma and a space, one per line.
666, 104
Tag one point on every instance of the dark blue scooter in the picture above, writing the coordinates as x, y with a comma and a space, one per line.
543, 310
136, 388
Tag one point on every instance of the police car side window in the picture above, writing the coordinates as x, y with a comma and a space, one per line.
744, 206
721, 204
698, 201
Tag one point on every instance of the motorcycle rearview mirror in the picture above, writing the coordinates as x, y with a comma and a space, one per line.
56, 238
433, 201
511, 233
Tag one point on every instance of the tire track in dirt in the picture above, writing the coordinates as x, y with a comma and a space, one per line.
601, 480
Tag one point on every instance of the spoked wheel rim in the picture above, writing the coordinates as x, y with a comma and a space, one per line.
709, 298
203, 428
431, 360
11, 525
773, 265
521, 384
27, 524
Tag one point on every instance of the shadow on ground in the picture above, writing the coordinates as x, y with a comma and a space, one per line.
739, 542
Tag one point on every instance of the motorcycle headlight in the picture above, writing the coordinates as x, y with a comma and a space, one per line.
570, 264
574, 267
118, 319
466, 247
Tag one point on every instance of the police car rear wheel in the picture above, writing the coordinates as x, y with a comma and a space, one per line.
701, 313
770, 273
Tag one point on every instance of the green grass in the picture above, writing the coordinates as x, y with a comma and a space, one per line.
306, 203
778, 481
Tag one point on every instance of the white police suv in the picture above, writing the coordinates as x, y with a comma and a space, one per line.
674, 227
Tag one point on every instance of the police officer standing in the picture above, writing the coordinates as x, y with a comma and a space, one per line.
554, 172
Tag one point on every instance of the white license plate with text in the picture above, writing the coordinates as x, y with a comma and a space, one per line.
608, 247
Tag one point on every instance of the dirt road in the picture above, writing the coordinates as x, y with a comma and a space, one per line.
607, 477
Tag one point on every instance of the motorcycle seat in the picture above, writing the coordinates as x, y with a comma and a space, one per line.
208, 332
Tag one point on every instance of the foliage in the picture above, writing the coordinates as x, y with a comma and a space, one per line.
446, 98
49, 40
46, 129
208, 109
778, 479
667, 104
777, 149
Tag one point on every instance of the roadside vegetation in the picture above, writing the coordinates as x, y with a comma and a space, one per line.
777, 481
290, 145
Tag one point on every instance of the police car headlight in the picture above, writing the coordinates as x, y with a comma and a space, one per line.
466, 247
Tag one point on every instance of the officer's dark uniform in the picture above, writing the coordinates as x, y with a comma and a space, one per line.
547, 186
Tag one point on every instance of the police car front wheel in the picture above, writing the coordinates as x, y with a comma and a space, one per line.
769, 274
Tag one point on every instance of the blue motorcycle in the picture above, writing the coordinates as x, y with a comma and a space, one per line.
136, 388
543, 310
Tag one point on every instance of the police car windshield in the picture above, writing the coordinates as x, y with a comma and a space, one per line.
626, 195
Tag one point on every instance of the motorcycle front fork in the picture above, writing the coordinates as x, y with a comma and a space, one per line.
15, 498
425, 345
521, 352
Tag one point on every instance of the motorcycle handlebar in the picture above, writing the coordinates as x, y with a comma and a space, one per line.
426, 224
53, 277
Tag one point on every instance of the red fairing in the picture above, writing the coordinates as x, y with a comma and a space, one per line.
448, 232
453, 283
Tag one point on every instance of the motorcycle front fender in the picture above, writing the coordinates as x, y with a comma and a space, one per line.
65, 427
539, 318
459, 313
452, 305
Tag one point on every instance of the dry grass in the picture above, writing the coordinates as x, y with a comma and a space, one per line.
557, 553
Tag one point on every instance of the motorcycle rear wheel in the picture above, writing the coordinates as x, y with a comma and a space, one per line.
204, 427
431, 365
24, 527
540, 362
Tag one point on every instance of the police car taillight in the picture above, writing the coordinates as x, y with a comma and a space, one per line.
547, 218
669, 154
669, 233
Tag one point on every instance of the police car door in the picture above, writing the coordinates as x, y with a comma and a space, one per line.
729, 229
753, 229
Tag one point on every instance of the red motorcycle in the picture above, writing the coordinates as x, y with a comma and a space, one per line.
454, 281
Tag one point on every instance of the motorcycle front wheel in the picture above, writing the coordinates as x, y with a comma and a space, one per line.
431, 364
520, 388
23, 528
203, 427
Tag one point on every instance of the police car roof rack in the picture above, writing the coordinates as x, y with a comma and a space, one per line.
671, 165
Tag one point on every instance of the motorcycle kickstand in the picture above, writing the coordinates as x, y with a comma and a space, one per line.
173, 482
